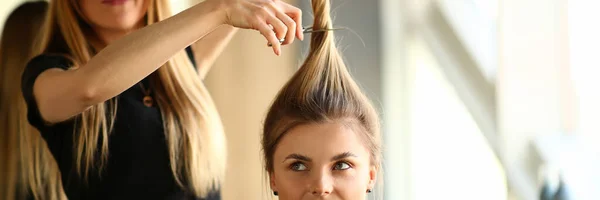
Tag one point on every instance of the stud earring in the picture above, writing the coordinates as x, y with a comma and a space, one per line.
275, 193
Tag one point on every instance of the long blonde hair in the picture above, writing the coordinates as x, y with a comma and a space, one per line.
192, 126
28, 167
321, 91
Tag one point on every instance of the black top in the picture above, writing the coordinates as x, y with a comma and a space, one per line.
138, 164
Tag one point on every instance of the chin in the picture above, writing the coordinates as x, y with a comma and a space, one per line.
124, 27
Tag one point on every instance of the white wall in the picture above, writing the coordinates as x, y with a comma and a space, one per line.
6, 7
584, 40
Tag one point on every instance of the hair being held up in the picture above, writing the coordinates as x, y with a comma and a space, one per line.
321, 91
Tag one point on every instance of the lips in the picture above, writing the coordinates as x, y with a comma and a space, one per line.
114, 2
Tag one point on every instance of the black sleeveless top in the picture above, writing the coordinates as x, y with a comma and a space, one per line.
138, 165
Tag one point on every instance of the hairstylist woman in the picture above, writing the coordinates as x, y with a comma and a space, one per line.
122, 108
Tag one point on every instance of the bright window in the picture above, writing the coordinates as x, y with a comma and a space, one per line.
450, 158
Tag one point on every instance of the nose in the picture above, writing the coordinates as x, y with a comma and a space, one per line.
322, 184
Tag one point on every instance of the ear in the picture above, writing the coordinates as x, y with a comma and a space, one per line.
272, 181
372, 177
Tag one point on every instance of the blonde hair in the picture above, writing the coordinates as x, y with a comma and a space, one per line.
192, 126
321, 91
28, 168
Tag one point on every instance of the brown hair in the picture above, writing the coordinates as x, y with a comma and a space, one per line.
193, 129
321, 91
27, 165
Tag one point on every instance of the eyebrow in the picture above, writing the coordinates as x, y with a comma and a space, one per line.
307, 159
298, 157
342, 156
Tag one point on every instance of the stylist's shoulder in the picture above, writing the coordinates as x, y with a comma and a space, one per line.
34, 68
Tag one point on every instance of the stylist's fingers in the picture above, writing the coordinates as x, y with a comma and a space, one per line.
278, 26
289, 23
268, 33
295, 14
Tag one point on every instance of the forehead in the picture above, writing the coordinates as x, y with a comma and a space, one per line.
320, 140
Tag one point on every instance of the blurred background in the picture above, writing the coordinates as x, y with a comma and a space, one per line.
480, 99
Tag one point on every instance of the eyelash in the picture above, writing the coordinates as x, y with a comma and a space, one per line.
342, 162
295, 165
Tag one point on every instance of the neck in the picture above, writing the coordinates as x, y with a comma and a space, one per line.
108, 36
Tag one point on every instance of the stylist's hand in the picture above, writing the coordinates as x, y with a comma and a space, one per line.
274, 19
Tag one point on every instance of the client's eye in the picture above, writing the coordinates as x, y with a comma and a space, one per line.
341, 166
298, 166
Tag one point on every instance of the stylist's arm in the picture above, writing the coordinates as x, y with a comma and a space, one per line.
61, 94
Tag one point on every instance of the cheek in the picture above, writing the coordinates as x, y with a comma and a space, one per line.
352, 184
86, 7
290, 185
349, 185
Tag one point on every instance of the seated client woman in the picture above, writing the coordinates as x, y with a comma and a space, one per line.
321, 137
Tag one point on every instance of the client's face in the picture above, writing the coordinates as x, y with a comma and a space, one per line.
322, 161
